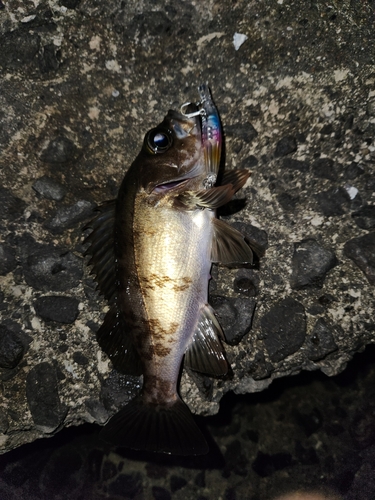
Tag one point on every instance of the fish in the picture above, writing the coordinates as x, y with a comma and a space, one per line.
151, 253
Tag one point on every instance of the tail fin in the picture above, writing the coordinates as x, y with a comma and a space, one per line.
159, 428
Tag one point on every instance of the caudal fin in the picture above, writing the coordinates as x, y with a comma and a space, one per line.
159, 428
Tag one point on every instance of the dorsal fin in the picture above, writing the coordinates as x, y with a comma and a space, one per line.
206, 353
102, 250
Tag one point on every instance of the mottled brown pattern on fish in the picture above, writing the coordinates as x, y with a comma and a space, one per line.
157, 330
156, 281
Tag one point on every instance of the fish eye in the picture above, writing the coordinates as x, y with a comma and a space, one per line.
159, 140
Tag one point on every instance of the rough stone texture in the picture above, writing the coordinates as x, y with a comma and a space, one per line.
80, 84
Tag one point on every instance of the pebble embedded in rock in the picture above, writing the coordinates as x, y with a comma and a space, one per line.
361, 251
353, 171
321, 341
7, 259
291, 163
284, 328
324, 168
332, 201
249, 162
310, 264
48, 188
287, 201
11, 207
57, 308
327, 129
43, 397
235, 316
177, 483
49, 268
365, 217
80, 358
68, 217
49, 58
18, 48
285, 146
160, 493
244, 131
59, 150
246, 282
11, 348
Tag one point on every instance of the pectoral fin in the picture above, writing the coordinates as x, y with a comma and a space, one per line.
206, 353
228, 245
205, 198
235, 177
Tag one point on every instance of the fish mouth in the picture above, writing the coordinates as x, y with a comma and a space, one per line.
170, 186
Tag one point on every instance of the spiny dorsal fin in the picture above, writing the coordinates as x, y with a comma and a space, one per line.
206, 353
228, 245
101, 249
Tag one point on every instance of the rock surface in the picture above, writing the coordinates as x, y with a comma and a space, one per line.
81, 82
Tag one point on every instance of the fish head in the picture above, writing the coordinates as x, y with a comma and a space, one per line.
171, 154
183, 151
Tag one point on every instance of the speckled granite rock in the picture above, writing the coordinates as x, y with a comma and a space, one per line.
80, 84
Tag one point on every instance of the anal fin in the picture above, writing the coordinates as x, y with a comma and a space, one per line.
206, 353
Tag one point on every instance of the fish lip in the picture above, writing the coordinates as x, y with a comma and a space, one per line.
169, 186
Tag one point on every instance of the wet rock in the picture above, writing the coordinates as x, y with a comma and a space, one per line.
43, 397
361, 251
258, 368
57, 308
324, 168
321, 341
11, 348
235, 460
48, 188
365, 217
11, 207
117, 390
68, 217
244, 131
246, 282
333, 201
59, 150
18, 48
285, 146
235, 316
265, 464
353, 171
284, 329
290, 163
50, 268
7, 259
310, 264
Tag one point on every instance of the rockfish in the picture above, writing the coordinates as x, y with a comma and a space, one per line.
151, 251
